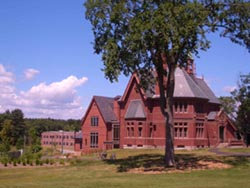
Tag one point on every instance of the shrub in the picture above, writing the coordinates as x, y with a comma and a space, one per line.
41, 163
37, 162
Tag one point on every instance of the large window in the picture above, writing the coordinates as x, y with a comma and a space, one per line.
94, 140
199, 130
181, 130
116, 132
94, 121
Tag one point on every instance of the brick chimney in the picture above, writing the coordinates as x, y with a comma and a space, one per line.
190, 65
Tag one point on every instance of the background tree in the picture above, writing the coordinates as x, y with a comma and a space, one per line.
138, 36
242, 97
6, 136
229, 106
18, 128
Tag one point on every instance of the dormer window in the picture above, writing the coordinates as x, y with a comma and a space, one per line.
94, 121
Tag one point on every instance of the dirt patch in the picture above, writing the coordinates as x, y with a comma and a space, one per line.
182, 168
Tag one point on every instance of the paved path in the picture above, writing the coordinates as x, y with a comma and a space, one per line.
218, 152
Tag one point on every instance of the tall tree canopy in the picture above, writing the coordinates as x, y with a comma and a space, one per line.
229, 106
141, 35
242, 97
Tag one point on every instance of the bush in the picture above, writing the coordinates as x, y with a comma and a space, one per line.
14, 154
51, 162
41, 163
37, 162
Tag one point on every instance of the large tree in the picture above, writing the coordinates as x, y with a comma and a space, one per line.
141, 35
229, 106
242, 97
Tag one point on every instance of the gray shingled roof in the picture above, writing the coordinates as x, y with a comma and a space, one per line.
135, 110
106, 107
187, 85
211, 96
78, 135
212, 115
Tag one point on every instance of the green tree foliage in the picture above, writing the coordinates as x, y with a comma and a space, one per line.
6, 135
242, 97
138, 36
18, 132
229, 106
18, 128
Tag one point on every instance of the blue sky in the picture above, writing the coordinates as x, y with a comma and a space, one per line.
48, 68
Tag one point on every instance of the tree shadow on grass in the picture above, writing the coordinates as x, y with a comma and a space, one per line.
155, 162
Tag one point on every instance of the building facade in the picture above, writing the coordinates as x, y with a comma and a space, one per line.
134, 120
60, 140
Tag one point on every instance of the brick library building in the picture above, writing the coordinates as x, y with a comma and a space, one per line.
134, 120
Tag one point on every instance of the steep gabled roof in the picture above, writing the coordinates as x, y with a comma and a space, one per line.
189, 86
186, 86
133, 79
135, 110
106, 107
211, 96
212, 115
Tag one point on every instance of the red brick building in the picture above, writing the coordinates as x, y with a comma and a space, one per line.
61, 140
134, 120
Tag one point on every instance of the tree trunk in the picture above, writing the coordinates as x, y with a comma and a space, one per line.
169, 148
166, 82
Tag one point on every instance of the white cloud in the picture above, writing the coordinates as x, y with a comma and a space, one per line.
229, 88
58, 100
5, 77
30, 73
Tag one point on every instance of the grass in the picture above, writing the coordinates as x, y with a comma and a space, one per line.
236, 150
92, 173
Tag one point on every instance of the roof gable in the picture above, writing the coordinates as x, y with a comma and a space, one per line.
135, 110
133, 80
106, 108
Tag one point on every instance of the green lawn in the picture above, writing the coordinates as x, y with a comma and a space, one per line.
236, 150
92, 173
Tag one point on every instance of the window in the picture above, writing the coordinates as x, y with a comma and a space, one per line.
185, 107
199, 130
94, 140
180, 107
116, 132
128, 131
94, 121
140, 131
199, 108
181, 130
132, 132
151, 132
